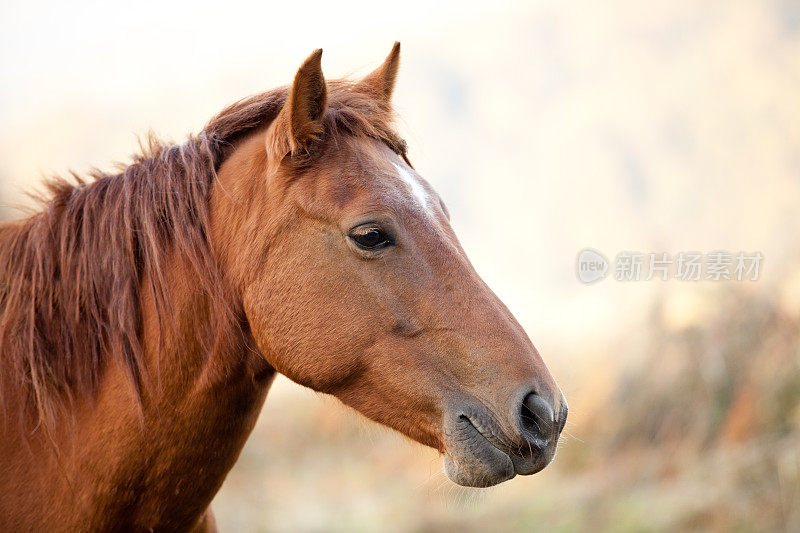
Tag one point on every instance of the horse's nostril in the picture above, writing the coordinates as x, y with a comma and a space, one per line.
537, 416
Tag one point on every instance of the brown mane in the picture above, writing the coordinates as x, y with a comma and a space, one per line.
70, 275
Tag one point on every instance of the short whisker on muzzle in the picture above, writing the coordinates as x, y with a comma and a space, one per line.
531, 420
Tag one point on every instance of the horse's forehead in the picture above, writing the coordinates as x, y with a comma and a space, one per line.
413, 184
376, 176
396, 184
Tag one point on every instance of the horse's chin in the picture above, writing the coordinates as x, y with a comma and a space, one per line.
471, 460
477, 471
475, 458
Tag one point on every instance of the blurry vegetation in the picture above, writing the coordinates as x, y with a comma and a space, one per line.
706, 432
727, 381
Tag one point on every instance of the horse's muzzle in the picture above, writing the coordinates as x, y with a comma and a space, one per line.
481, 453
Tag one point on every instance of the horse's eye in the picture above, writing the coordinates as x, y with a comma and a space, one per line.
370, 238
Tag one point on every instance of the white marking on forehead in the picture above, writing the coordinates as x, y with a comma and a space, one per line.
421, 196
416, 187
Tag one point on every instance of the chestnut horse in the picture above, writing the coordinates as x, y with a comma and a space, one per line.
144, 314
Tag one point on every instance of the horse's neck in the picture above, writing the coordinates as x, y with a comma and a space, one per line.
193, 430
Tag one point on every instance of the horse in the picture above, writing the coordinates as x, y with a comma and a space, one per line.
145, 312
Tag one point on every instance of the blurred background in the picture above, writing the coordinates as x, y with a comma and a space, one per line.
547, 127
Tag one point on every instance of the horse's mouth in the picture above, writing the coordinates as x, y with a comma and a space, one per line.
479, 455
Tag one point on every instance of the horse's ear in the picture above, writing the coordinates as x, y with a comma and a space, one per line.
300, 121
380, 82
